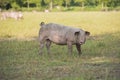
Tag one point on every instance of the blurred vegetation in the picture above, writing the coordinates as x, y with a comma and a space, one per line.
60, 5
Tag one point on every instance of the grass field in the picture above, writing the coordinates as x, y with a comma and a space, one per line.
19, 47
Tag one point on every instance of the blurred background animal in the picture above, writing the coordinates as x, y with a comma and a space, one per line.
12, 14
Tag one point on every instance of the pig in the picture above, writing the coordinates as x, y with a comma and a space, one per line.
20, 15
14, 15
4, 15
61, 35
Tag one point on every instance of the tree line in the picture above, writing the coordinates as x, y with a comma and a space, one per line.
51, 4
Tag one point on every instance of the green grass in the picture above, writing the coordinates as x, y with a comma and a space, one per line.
19, 47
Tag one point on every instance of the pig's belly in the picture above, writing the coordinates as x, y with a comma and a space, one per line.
58, 39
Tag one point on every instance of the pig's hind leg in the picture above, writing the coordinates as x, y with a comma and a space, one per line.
42, 42
48, 43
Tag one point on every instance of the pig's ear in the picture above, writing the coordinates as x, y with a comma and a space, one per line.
87, 33
77, 33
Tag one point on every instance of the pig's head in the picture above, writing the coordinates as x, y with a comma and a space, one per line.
81, 36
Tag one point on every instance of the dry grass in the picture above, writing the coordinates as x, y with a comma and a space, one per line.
95, 22
19, 59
